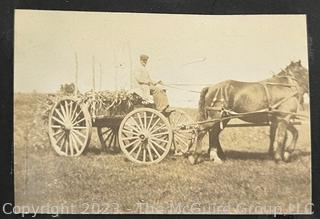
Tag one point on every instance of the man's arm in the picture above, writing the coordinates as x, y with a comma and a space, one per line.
143, 78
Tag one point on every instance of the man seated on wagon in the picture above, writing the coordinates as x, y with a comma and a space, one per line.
144, 86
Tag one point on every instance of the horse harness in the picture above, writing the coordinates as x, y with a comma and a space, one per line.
220, 96
292, 84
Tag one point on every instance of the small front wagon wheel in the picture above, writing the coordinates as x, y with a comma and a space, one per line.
183, 136
145, 136
69, 127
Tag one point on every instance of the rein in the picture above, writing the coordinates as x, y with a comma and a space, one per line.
178, 88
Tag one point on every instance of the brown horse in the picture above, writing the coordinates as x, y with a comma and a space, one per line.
274, 101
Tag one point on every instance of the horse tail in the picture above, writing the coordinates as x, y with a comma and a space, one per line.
202, 110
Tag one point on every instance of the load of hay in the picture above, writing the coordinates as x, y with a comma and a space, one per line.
106, 103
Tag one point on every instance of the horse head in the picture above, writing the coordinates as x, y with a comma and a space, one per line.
300, 74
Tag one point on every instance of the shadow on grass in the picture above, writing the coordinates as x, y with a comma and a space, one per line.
299, 154
95, 150
246, 155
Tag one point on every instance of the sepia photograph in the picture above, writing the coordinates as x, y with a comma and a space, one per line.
142, 113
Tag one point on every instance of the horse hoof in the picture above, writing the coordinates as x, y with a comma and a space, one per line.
192, 160
213, 155
218, 161
286, 156
277, 158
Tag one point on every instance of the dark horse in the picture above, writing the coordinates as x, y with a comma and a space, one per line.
274, 101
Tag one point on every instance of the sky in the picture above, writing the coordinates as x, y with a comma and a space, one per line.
189, 50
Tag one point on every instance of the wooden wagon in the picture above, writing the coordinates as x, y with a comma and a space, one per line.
143, 134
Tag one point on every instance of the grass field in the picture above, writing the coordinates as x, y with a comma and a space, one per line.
247, 182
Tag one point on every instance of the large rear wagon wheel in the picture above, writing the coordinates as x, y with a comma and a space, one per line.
69, 127
145, 136
183, 136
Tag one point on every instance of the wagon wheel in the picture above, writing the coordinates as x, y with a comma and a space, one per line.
145, 136
109, 138
183, 136
69, 127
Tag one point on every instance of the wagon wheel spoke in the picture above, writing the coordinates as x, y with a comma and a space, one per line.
78, 133
74, 142
132, 143
130, 138
136, 127
179, 139
145, 119
58, 132
138, 153
65, 144
140, 121
70, 109
158, 128
158, 145
115, 140
144, 155
150, 121
70, 146
65, 105
58, 120
61, 117
112, 138
153, 148
107, 131
74, 112
129, 132
109, 135
108, 138
77, 139
79, 121
69, 127
182, 139
149, 152
79, 127
182, 135
159, 139
63, 110
157, 121
60, 138
135, 147
75, 117
145, 136
177, 120
160, 133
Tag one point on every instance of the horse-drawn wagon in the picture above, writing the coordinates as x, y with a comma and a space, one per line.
144, 134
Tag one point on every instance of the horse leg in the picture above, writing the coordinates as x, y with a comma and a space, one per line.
272, 137
214, 141
280, 137
215, 150
292, 145
194, 157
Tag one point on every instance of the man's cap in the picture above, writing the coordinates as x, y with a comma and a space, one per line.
143, 56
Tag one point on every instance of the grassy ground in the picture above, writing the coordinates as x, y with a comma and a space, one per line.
247, 182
